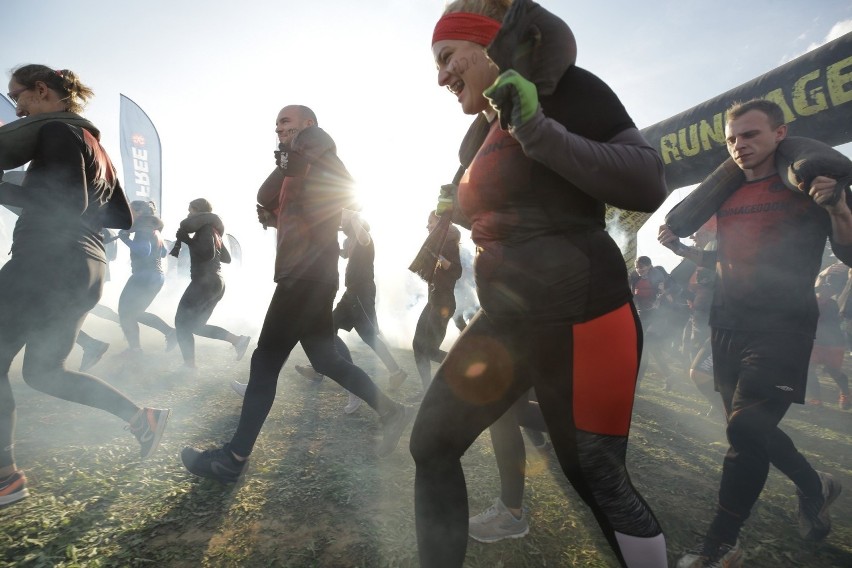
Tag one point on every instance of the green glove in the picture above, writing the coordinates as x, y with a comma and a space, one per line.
514, 98
446, 199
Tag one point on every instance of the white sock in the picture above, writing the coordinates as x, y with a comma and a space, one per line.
642, 552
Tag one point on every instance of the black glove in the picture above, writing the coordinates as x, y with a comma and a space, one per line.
282, 148
290, 162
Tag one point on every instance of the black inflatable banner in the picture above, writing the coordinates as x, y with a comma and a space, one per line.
815, 91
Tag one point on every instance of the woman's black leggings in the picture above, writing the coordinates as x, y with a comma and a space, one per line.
584, 376
429, 334
141, 289
510, 450
194, 309
43, 303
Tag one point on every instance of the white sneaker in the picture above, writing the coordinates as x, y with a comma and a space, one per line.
720, 556
814, 520
353, 404
239, 388
496, 523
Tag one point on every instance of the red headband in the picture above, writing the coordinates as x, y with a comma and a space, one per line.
467, 26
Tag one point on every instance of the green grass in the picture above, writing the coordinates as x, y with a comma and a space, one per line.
316, 495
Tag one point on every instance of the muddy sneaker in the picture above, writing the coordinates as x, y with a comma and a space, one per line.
712, 555
308, 372
392, 427
396, 379
148, 426
497, 523
814, 520
242, 345
843, 402
239, 388
13, 488
92, 356
219, 463
353, 404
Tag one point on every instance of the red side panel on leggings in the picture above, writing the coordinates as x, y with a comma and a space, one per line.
606, 361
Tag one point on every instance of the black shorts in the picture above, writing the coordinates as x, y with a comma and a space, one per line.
353, 312
762, 364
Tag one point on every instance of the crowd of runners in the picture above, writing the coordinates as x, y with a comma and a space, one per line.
557, 335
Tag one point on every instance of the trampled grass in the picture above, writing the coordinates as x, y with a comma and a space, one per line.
315, 495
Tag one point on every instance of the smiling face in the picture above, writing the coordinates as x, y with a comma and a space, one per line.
464, 68
290, 121
751, 141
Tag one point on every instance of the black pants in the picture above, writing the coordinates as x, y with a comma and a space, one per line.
140, 290
42, 305
584, 376
429, 334
300, 312
747, 368
194, 309
357, 312
510, 450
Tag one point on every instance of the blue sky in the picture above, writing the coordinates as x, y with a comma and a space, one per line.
212, 76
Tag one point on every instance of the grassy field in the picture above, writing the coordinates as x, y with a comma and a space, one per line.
316, 495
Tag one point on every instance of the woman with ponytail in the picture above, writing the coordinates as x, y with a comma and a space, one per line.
56, 273
202, 231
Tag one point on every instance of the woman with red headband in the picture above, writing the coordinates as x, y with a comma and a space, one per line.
557, 313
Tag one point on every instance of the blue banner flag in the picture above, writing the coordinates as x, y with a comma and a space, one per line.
140, 155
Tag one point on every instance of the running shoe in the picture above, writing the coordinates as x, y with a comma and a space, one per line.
218, 463
814, 402
814, 520
239, 388
92, 356
308, 372
353, 404
497, 523
709, 554
241, 346
843, 402
396, 379
13, 488
392, 427
171, 340
148, 426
